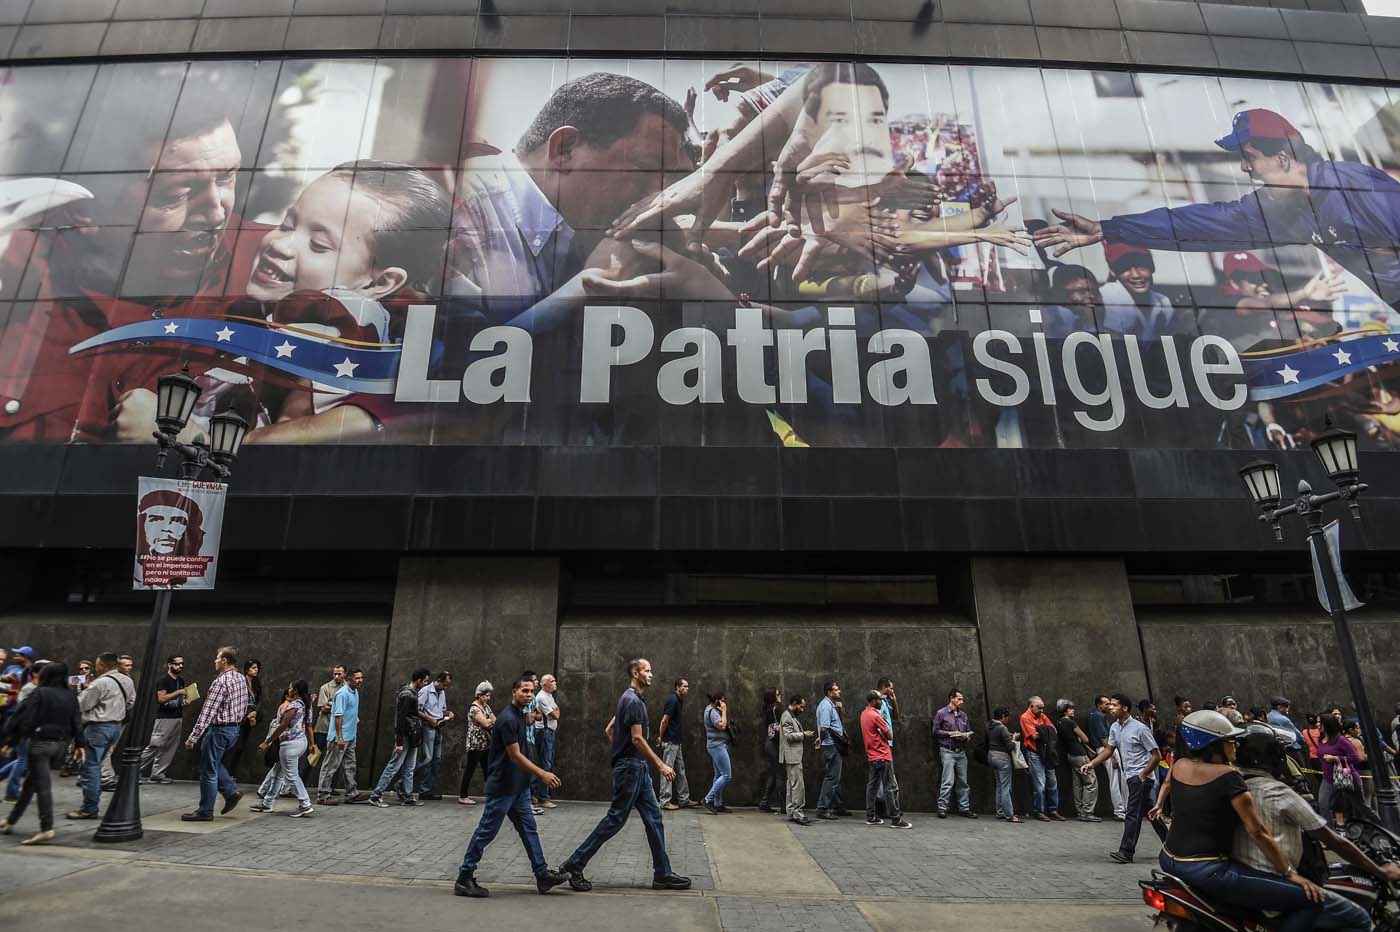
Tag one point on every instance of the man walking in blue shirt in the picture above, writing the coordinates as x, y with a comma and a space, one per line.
340, 742
1138, 755
832, 740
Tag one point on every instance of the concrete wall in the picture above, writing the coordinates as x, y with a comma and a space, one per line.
742, 654
290, 645
1201, 654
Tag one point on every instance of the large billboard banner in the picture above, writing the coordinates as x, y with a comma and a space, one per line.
682, 252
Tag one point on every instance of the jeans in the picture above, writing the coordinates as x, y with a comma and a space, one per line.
44, 755
1086, 788
430, 760
954, 778
402, 764
160, 753
632, 789
831, 796
880, 782
1140, 801
475, 759
17, 772
213, 776
1002, 768
498, 809
1042, 784
544, 759
677, 791
288, 771
99, 737
1233, 883
719, 757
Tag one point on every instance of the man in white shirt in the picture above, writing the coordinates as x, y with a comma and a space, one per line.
546, 724
432, 708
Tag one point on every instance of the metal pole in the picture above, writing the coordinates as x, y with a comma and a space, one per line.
1380, 768
122, 821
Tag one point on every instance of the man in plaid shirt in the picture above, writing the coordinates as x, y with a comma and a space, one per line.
224, 708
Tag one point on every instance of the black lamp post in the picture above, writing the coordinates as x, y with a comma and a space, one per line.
1336, 450
175, 400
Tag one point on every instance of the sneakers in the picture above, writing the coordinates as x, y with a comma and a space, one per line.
467, 886
549, 880
875, 821
942, 813
537, 810
826, 816
900, 823
802, 821
327, 801
302, 811
378, 803
410, 801
710, 807
357, 798
671, 882
230, 803
576, 879
1121, 858
193, 817
671, 807
967, 814
260, 807
81, 814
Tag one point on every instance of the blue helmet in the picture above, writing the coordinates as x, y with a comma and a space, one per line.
1200, 730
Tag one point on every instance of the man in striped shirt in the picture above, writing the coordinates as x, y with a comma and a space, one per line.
224, 708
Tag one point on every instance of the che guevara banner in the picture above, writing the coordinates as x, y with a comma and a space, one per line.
178, 524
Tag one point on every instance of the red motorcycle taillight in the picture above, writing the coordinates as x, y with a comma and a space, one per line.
1154, 899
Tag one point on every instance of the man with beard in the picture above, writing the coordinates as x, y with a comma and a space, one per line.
1348, 210
182, 204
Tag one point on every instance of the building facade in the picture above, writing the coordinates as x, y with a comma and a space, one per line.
534, 384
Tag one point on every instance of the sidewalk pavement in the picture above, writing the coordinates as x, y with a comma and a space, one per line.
752, 872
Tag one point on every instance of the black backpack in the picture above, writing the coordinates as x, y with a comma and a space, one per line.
982, 744
1047, 745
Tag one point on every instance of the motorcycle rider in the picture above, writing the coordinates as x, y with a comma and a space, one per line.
1288, 817
1210, 801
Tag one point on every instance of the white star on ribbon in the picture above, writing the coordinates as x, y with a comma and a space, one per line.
1391, 345
1342, 357
171, 328
1289, 374
346, 369
224, 335
285, 351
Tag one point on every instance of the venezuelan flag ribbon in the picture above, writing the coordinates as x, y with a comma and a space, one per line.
352, 365
1297, 369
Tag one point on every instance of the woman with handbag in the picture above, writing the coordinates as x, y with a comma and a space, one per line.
773, 783
48, 719
1001, 750
1341, 779
291, 733
717, 739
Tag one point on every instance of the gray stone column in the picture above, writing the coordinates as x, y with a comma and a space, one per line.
482, 618
1056, 628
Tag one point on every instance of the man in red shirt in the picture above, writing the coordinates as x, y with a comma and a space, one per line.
181, 248
876, 735
1045, 791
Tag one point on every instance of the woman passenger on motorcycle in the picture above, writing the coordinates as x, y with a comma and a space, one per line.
1209, 800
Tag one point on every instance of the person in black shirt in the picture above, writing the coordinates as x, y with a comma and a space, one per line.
49, 719
674, 794
170, 711
508, 774
632, 788
1075, 744
1209, 801
408, 737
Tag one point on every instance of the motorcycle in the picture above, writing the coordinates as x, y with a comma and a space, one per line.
1182, 909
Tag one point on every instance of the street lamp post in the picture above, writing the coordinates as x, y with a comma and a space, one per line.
1336, 449
175, 400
